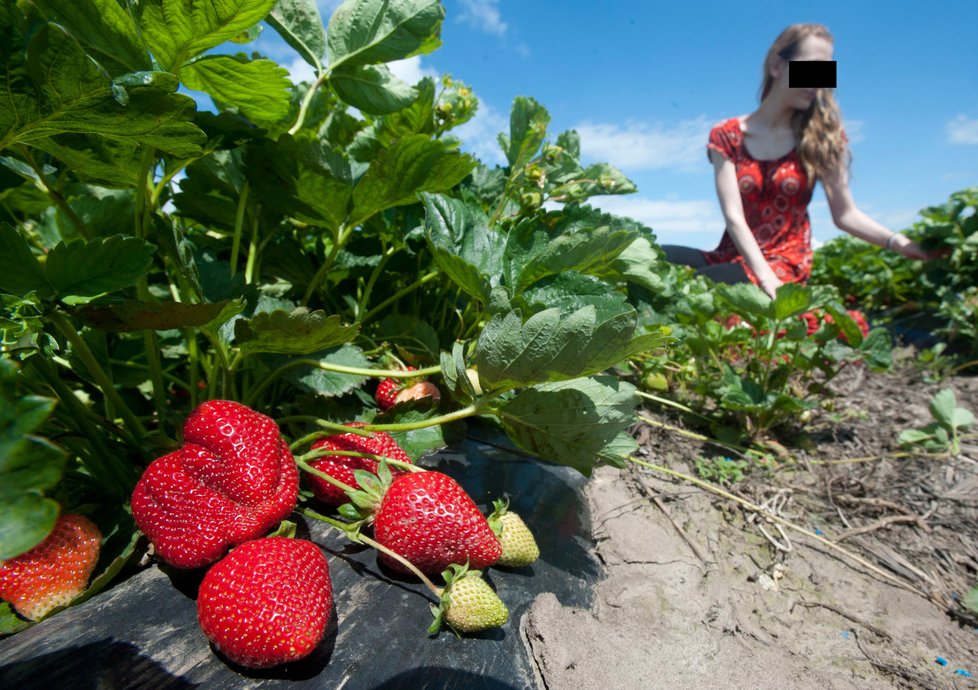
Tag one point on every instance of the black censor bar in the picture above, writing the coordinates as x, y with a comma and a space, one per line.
811, 74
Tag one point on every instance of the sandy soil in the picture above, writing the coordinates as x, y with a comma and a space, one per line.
696, 596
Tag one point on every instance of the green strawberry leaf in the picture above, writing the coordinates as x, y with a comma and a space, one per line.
462, 244
942, 407
372, 89
10, 623
367, 32
420, 441
29, 465
414, 164
176, 32
792, 299
298, 332
572, 422
300, 25
260, 89
20, 272
528, 122
160, 316
104, 29
555, 345
328, 384
82, 271
747, 300
58, 89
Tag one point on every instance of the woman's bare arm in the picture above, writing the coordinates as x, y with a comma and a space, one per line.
728, 193
848, 218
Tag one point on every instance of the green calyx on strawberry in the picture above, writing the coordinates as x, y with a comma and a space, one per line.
343, 467
267, 602
468, 604
391, 391
233, 480
55, 572
519, 548
429, 519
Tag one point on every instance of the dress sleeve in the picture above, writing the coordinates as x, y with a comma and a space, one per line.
720, 141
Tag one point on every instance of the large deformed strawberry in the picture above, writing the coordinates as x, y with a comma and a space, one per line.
55, 571
233, 480
267, 602
342, 467
429, 519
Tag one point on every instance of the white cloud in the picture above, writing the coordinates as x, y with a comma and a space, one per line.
479, 135
483, 15
411, 70
642, 146
300, 71
689, 222
962, 130
854, 130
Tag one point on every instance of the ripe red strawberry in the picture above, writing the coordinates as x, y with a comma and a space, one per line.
55, 571
386, 394
427, 518
267, 602
342, 467
233, 480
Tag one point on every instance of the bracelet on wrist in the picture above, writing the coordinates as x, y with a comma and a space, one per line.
889, 241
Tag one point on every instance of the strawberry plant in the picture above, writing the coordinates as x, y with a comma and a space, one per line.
944, 433
168, 275
939, 295
752, 364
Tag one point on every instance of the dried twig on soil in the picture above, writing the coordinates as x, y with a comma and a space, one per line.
685, 537
914, 678
845, 614
811, 535
882, 523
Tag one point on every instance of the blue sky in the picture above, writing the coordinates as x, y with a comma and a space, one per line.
643, 82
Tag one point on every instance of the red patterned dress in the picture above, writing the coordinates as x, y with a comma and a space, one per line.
775, 195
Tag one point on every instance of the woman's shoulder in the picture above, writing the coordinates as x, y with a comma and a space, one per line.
731, 124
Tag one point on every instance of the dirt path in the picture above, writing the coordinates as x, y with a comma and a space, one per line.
695, 597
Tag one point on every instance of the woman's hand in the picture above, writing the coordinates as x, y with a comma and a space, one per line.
901, 244
770, 285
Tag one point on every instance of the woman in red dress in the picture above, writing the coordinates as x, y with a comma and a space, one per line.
766, 165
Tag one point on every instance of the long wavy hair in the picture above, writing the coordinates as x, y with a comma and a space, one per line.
822, 146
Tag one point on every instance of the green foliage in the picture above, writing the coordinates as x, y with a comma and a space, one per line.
941, 294
29, 466
319, 231
748, 363
721, 470
944, 433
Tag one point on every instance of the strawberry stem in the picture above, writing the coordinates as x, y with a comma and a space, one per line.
344, 527
306, 467
425, 423
339, 369
326, 452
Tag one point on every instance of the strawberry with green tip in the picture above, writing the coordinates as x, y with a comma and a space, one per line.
55, 572
267, 602
519, 548
342, 467
468, 604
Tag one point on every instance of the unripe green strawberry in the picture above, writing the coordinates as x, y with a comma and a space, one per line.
519, 547
468, 603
